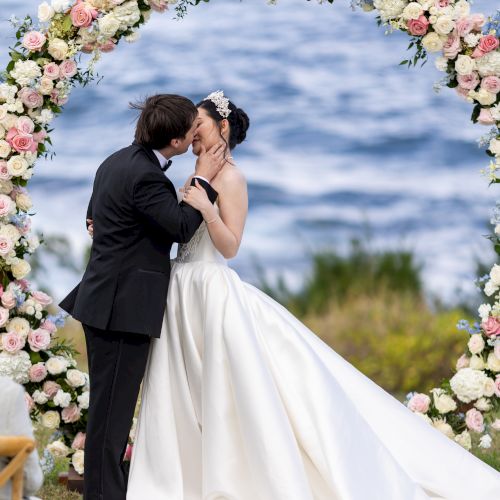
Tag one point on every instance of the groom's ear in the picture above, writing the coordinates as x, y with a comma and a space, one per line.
175, 143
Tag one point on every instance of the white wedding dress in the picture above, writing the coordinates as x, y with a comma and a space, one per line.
242, 402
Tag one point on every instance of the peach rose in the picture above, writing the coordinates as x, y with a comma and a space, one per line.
50, 388
8, 300
57, 99
39, 339
30, 98
108, 46
51, 71
485, 117
451, 46
42, 298
79, 441
6, 246
25, 125
68, 68
34, 41
479, 20
71, 413
419, 403
491, 84
474, 420
418, 27
83, 14
464, 26
37, 372
49, 326
491, 326
469, 82
12, 342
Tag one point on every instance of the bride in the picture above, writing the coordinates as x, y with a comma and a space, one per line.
242, 402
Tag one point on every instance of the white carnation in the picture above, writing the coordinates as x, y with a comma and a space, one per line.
468, 384
83, 400
45, 12
484, 311
39, 397
56, 365
75, 378
483, 404
62, 399
25, 72
485, 441
490, 288
61, 5
489, 64
127, 14
443, 402
464, 440
472, 39
443, 427
461, 9
464, 65
494, 147
389, 9
441, 63
15, 366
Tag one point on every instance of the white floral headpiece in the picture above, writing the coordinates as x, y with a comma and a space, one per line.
221, 103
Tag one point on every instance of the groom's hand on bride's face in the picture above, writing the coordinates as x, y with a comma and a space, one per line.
210, 162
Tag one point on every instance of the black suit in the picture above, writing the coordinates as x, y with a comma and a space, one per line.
121, 298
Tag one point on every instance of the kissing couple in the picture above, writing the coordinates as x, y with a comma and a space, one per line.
240, 400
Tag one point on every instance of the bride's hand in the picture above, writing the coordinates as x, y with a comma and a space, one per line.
197, 197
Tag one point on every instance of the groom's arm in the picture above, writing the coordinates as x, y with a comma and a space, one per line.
157, 205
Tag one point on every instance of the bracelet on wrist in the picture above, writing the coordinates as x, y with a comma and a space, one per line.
213, 220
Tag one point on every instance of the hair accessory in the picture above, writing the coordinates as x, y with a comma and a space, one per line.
221, 103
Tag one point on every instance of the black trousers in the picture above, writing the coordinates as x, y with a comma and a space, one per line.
117, 361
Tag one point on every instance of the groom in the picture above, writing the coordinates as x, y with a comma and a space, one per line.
121, 298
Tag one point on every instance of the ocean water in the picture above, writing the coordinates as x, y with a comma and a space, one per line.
342, 138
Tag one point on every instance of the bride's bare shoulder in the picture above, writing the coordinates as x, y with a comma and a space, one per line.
231, 178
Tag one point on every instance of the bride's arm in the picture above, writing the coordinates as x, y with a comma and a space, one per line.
225, 228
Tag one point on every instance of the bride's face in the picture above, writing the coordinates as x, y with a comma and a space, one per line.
208, 132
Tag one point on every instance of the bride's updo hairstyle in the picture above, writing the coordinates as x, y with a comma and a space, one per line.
237, 118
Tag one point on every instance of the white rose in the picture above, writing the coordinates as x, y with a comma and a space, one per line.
23, 201
484, 311
56, 365
461, 9
58, 449
2, 132
83, 400
444, 25
61, 5
4, 149
412, 11
441, 63
469, 384
78, 461
443, 427
464, 65
17, 166
45, 12
11, 232
33, 243
483, 404
6, 187
51, 419
20, 326
426, 4
476, 343
62, 399
389, 9
444, 403
20, 268
490, 288
464, 440
494, 147
485, 441
493, 363
108, 25
58, 49
39, 397
489, 64
482, 96
489, 387
46, 116
46, 86
10, 121
431, 42
476, 362
75, 378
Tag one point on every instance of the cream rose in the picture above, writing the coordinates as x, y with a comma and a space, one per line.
464, 65
56, 365
58, 49
483, 404
20, 326
51, 419
476, 362
20, 268
17, 166
45, 12
444, 25
443, 402
23, 201
412, 11
476, 343
46, 86
78, 461
58, 449
108, 25
5, 149
431, 42
482, 96
493, 363
75, 378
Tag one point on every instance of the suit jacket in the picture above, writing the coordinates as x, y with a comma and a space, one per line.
137, 218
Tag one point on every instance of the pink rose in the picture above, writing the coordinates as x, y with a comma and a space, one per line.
462, 362
491, 84
6, 246
42, 298
30, 98
37, 372
491, 326
82, 15
51, 71
26, 227
39, 339
108, 46
71, 413
12, 343
419, 403
34, 41
128, 452
24, 284
24, 142
79, 441
442, 3
158, 5
451, 47
488, 43
474, 420
4, 316
68, 68
30, 404
6, 205
469, 82
485, 117
25, 125
57, 99
478, 20
497, 386
464, 26
8, 300
418, 27
50, 388
4, 171
49, 326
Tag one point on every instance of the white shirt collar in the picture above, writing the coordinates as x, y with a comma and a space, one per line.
161, 158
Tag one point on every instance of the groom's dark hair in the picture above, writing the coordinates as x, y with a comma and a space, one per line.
163, 117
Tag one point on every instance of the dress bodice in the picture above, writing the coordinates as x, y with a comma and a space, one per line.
200, 247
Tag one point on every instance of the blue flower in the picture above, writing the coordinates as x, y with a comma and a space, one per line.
463, 324
47, 462
492, 24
